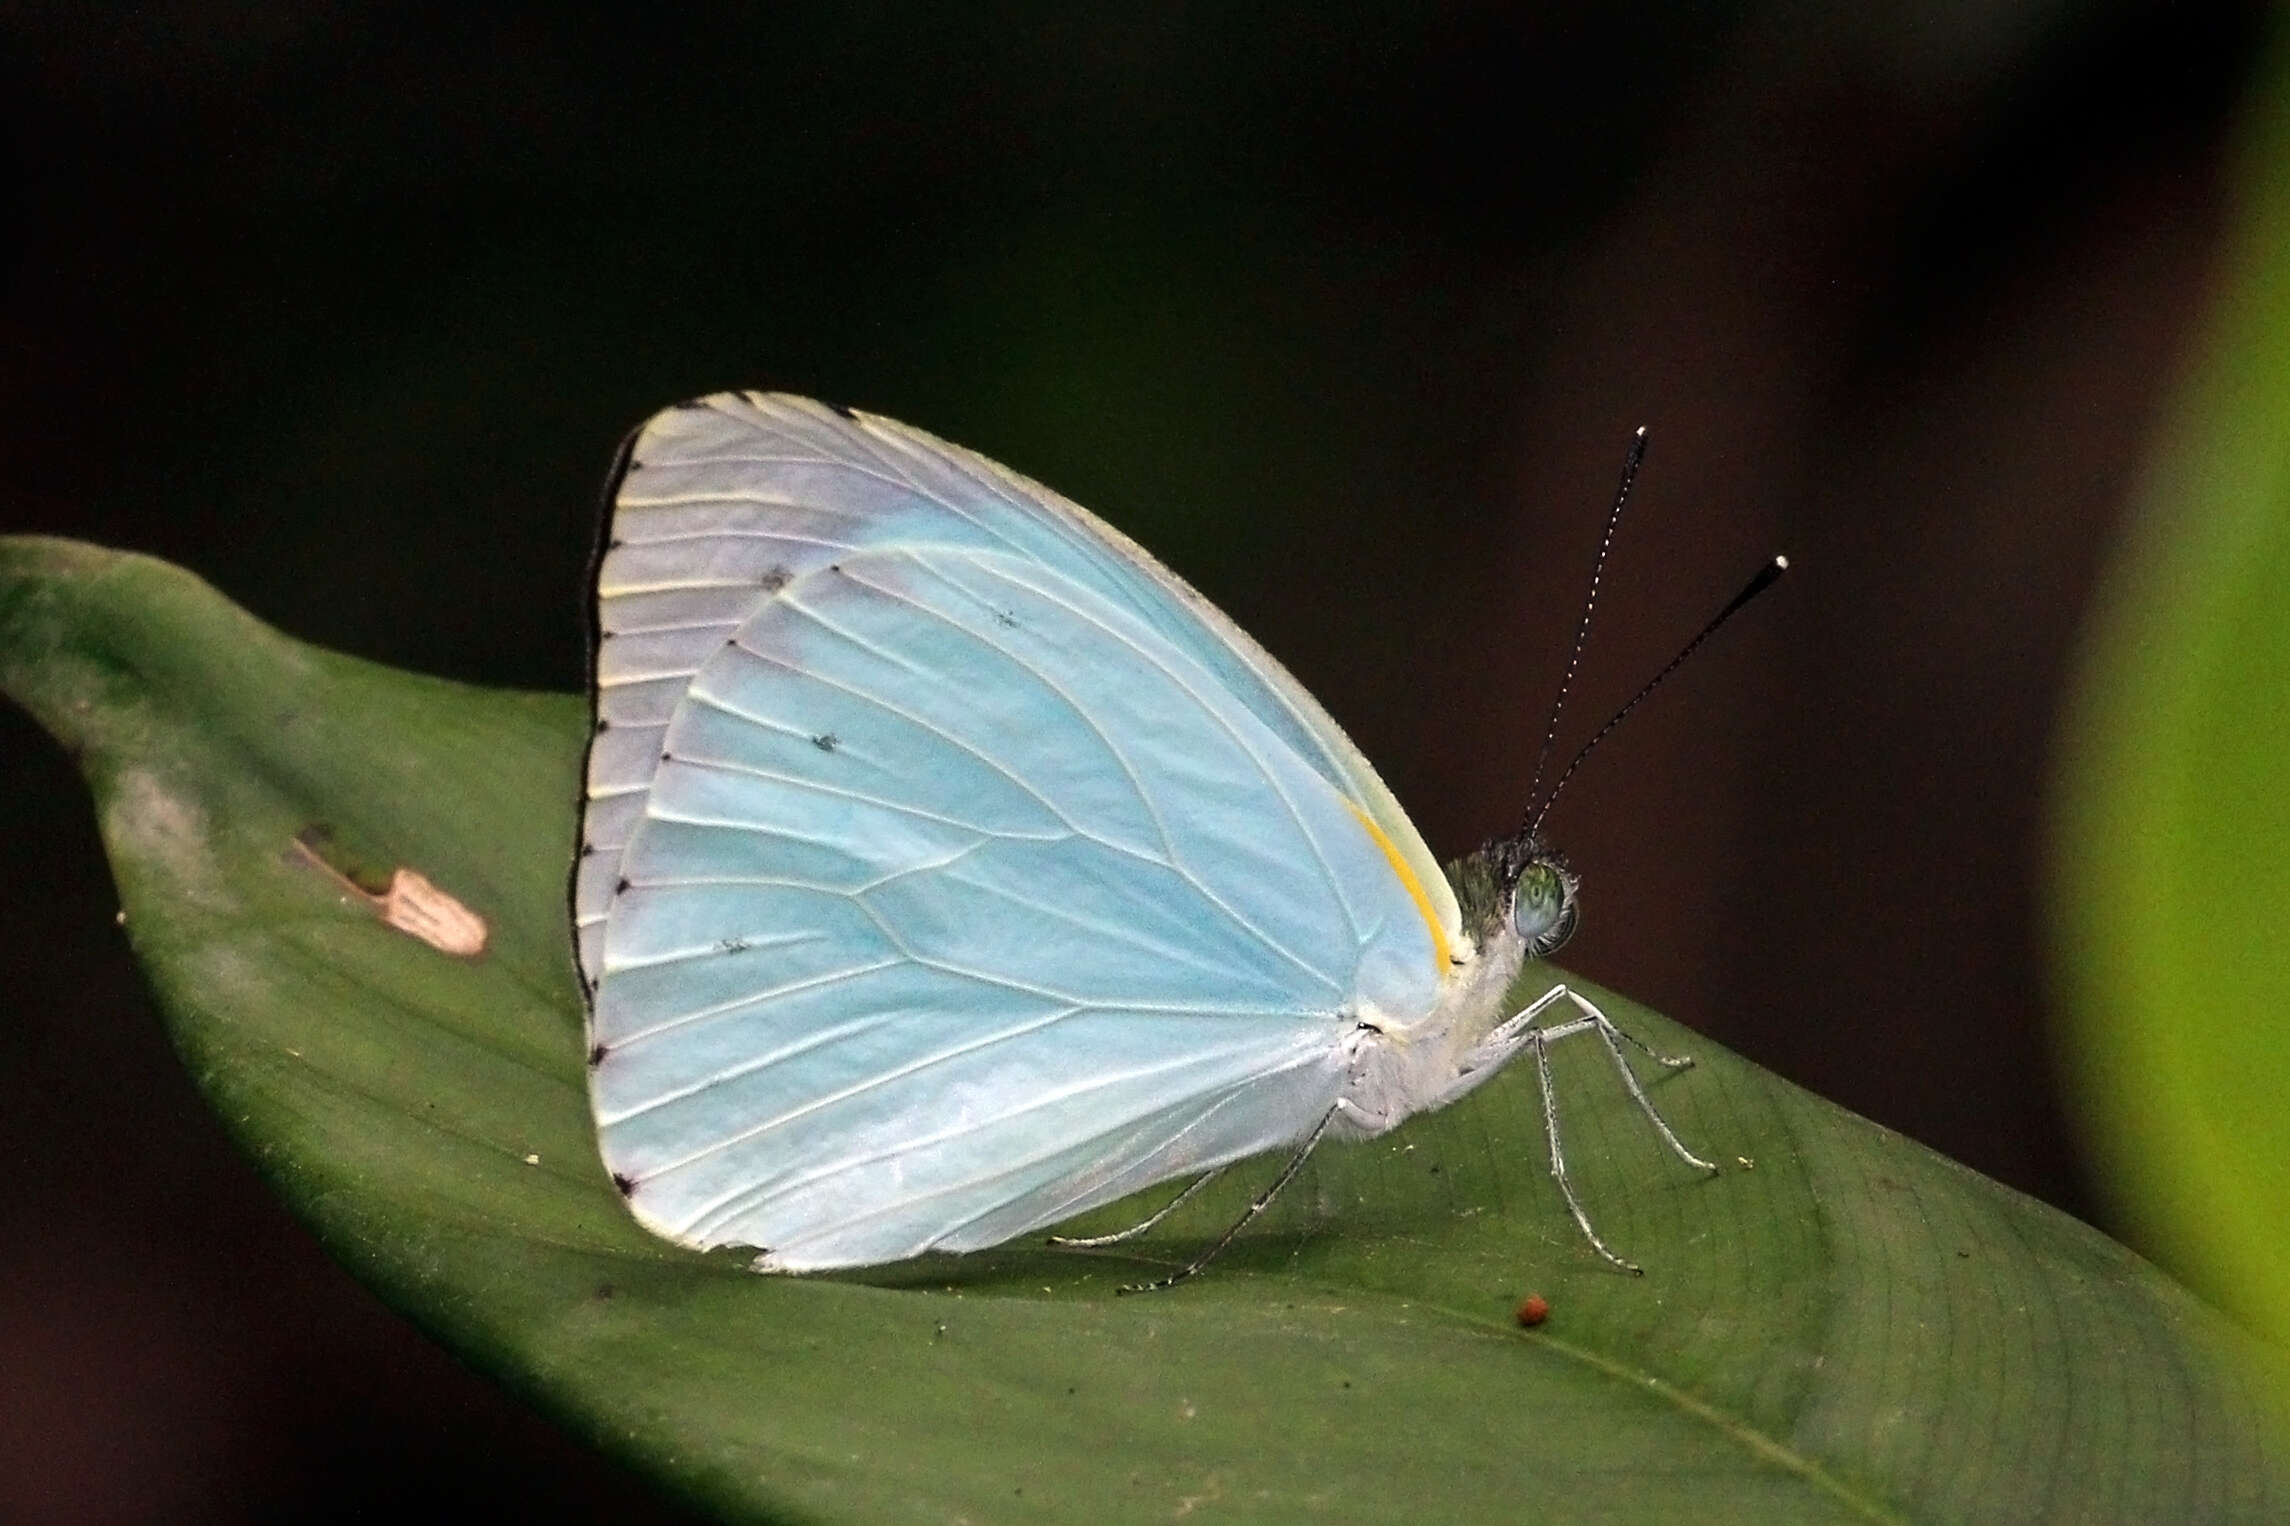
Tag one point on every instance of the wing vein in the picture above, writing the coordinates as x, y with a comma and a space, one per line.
831, 459
730, 1204
701, 1014
688, 500
1246, 745
1174, 860
827, 1099
858, 796
1080, 711
713, 702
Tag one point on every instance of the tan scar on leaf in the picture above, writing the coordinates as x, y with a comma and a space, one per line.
408, 900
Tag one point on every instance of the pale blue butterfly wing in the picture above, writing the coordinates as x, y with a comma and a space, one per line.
950, 869
747, 489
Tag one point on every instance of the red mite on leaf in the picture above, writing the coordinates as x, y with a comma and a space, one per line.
1533, 1310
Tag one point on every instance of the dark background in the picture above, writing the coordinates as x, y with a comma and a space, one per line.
1347, 311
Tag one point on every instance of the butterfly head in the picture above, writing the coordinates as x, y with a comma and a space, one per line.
1518, 887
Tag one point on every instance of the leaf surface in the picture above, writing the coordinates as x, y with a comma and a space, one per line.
1842, 1326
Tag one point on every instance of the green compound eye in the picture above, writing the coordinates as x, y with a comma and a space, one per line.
1543, 908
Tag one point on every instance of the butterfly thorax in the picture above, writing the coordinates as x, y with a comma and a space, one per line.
1517, 900
1395, 1070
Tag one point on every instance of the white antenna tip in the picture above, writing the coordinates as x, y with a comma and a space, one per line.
1781, 563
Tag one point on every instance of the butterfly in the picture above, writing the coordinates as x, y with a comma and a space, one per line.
949, 867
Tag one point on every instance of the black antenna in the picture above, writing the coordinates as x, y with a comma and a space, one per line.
1766, 577
1630, 465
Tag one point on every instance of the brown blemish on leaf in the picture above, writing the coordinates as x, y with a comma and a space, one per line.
414, 905
408, 901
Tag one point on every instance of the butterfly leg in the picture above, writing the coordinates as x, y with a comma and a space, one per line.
1521, 1031
1287, 1173
1608, 1031
1090, 1242
1504, 1041
1539, 1040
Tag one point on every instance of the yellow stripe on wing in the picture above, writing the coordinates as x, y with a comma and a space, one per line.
1440, 953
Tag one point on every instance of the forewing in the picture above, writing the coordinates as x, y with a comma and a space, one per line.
729, 498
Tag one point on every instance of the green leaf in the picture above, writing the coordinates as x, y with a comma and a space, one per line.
1848, 1328
2173, 892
